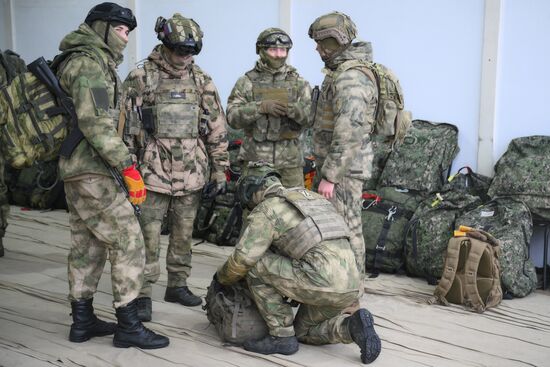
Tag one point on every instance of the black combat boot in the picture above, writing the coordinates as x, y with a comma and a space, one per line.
273, 344
144, 308
86, 325
361, 329
1, 248
181, 295
130, 332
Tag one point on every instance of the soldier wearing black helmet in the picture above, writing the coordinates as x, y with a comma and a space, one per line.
271, 104
180, 140
102, 221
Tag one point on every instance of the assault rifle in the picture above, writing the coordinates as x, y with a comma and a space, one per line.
44, 73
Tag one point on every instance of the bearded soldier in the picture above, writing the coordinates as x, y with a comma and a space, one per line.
344, 120
295, 247
271, 103
103, 224
10, 65
177, 129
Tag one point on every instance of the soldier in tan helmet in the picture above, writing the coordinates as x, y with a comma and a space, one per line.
272, 103
176, 128
344, 121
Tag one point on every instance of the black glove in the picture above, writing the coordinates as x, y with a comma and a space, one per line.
209, 190
216, 286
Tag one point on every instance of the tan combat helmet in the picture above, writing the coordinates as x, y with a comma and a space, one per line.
179, 34
333, 25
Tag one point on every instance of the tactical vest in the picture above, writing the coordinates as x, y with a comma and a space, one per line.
472, 271
267, 127
175, 109
324, 115
320, 223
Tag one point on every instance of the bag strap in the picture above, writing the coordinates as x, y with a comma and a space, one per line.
473, 299
380, 250
449, 270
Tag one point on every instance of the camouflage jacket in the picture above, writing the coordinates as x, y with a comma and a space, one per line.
179, 159
266, 224
268, 138
88, 75
344, 118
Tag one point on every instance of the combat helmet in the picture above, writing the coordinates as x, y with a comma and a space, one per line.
273, 37
333, 25
179, 34
259, 174
111, 13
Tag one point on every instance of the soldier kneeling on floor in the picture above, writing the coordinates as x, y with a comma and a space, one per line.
296, 247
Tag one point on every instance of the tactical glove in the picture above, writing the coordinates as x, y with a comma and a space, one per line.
216, 285
135, 185
273, 107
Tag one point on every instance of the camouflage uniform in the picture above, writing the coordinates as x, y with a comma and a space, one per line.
268, 138
341, 136
188, 143
10, 63
323, 279
101, 218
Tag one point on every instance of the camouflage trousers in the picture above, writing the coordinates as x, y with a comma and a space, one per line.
4, 206
319, 320
181, 211
103, 225
347, 201
290, 177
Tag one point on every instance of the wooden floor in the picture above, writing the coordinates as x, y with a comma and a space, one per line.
35, 321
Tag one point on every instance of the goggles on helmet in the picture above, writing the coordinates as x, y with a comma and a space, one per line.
276, 39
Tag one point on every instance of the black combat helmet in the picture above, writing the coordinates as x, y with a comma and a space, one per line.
179, 34
257, 175
112, 13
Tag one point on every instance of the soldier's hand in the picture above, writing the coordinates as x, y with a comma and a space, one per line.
326, 188
135, 185
221, 187
273, 107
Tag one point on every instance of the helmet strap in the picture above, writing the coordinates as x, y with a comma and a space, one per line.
106, 37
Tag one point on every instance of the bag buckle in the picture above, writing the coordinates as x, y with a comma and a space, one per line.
391, 213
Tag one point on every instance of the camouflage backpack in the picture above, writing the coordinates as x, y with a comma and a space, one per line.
429, 231
472, 271
35, 116
234, 314
422, 162
36, 187
522, 172
219, 218
11, 64
509, 221
391, 120
385, 215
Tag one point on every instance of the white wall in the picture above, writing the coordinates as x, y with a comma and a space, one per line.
523, 93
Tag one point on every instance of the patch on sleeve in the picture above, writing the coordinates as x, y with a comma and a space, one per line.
101, 99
